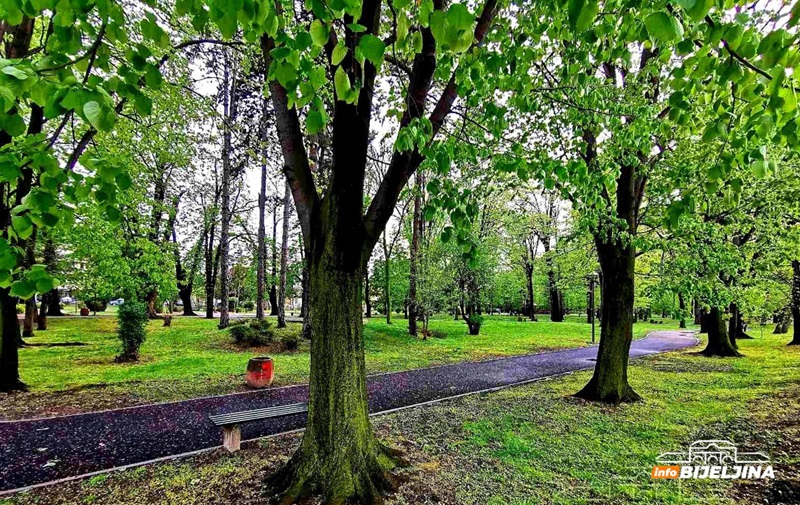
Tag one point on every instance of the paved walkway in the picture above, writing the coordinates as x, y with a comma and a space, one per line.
43, 450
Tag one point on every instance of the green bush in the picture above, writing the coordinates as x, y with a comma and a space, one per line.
96, 304
131, 329
290, 341
252, 333
247, 305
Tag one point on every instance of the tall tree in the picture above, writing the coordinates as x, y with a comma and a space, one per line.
340, 455
287, 215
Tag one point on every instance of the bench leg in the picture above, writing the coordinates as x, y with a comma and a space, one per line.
232, 437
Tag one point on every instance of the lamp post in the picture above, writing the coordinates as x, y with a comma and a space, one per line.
590, 316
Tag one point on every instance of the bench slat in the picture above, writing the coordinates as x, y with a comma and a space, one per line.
257, 414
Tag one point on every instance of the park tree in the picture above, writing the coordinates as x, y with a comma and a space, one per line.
340, 455
604, 94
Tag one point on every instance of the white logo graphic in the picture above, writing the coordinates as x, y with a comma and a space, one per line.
713, 459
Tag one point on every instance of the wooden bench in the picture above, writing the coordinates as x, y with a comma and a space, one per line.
232, 434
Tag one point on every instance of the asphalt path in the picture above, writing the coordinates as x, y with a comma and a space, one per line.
43, 450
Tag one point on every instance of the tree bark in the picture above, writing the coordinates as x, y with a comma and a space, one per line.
736, 326
229, 112
367, 303
682, 308
719, 343
609, 383
287, 214
9, 347
387, 287
209, 264
416, 233
262, 227
795, 302
273, 289
556, 297
339, 452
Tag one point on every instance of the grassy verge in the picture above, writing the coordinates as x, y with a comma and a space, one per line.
535, 444
193, 358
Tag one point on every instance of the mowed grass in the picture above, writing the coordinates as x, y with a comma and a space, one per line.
194, 348
193, 358
533, 444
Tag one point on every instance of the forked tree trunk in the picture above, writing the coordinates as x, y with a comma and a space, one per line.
796, 302
9, 347
719, 343
609, 383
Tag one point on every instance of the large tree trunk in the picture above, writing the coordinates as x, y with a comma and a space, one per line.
339, 452
719, 343
795, 302
610, 380
682, 308
9, 347
416, 236
287, 214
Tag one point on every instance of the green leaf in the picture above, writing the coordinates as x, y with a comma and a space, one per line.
339, 52
759, 168
314, 122
581, 14
15, 72
342, 84
663, 27
319, 33
373, 48
100, 119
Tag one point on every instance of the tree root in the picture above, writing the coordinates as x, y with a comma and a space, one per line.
363, 479
591, 393
17, 386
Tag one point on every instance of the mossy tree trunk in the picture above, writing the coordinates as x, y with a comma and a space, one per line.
719, 343
339, 455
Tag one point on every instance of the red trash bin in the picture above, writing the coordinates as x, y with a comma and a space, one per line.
260, 372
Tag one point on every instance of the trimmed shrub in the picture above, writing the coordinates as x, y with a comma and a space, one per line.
132, 318
252, 333
290, 341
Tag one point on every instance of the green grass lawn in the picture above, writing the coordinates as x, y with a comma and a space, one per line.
534, 444
194, 358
